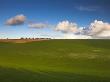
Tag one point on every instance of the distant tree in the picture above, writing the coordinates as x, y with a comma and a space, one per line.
22, 38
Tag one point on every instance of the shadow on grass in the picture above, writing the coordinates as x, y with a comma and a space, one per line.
19, 75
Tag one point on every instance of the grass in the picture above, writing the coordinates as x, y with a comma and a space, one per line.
55, 61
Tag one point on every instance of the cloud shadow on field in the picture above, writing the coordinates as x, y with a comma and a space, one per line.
21, 75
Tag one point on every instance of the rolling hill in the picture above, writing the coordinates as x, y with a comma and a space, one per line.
55, 61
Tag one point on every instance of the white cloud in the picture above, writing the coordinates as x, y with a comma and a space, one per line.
74, 36
70, 30
38, 25
66, 26
103, 35
87, 8
99, 28
17, 20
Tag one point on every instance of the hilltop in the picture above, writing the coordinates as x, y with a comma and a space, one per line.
23, 40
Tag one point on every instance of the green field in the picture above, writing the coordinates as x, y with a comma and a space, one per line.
55, 61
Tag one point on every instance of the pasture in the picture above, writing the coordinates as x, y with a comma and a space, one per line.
55, 61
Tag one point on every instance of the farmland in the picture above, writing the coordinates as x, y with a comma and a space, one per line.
55, 61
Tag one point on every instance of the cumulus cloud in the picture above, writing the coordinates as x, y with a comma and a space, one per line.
66, 26
17, 20
99, 28
38, 25
70, 30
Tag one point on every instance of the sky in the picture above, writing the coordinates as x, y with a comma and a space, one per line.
67, 19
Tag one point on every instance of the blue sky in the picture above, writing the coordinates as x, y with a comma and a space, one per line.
83, 12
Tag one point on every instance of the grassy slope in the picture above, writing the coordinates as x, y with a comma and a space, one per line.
56, 61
